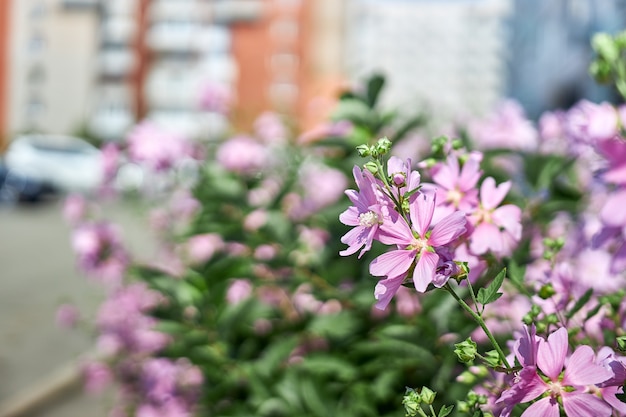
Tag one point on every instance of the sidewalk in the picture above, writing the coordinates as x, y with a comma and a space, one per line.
37, 274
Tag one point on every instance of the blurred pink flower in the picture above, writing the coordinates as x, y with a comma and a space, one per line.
242, 155
157, 147
100, 252
255, 220
589, 122
97, 377
239, 290
340, 128
265, 252
506, 128
215, 97
201, 248
456, 185
74, 209
270, 129
67, 316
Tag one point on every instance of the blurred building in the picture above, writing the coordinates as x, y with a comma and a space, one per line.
550, 50
48, 48
290, 60
446, 55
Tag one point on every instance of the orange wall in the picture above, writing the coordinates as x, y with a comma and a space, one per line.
251, 48
5, 10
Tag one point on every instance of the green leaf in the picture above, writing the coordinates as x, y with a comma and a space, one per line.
171, 327
580, 303
374, 87
445, 410
329, 366
337, 326
490, 293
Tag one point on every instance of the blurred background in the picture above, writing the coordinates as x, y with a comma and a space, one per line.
91, 69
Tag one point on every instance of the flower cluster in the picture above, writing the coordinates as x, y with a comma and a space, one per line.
434, 227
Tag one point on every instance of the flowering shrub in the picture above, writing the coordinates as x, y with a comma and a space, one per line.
262, 303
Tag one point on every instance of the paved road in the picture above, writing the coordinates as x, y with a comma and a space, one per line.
37, 274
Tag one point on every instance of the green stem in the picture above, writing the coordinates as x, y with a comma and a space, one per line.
481, 323
473, 295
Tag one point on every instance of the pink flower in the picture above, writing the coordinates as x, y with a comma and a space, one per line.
506, 128
100, 252
270, 129
74, 208
403, 179
614, 150
330, 129
366, 215
156, 147
200, 248
216, 97
496, 229
238, 291
97, 376
242, 155
67, 316
569, 387
419, 246
588, 122
456, 186
322, 187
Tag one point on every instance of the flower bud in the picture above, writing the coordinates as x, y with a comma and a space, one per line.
546, 291
411, 402
427, 395
371, 167
383, 146
363, 150
466, 350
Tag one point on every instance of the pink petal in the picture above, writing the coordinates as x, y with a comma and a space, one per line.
393, 264
614, 213
509, 217
545, 407
582, 370
425, 270
350, 217
526, 347
395, 233
551, 354
448, 229
385, 290
485, 237
490, 195
585, 405
447, 174
421, 212
355, 239
470, 174
609, 395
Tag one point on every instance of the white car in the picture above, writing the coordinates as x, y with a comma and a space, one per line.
67, 163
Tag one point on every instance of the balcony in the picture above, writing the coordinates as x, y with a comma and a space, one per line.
116, 62
190, 10
118, 30
174, 36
